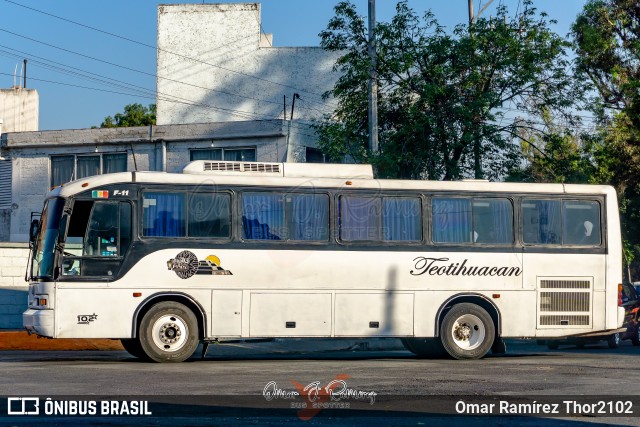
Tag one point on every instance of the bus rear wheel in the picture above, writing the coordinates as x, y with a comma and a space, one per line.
467, 331
169, 332
424, 347
614, 340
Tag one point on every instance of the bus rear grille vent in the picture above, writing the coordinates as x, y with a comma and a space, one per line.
565, 301
560, 320
565, 284
222, 166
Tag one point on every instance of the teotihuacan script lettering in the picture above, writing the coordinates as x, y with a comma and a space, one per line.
442, 267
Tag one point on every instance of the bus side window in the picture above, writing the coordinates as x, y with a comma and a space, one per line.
542, 221
493, 221
402, 219
581, 222
360, 218
451, 220
262, 216
164, 214
209, 215
307, 216
102, 233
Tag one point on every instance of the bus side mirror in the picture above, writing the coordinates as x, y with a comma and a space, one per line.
33, 230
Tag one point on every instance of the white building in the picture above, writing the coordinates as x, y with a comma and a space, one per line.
18, 109
214, 64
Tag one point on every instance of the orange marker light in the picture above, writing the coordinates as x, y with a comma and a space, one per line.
496, 296
137, 294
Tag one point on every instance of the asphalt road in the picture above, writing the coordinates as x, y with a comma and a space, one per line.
231, 386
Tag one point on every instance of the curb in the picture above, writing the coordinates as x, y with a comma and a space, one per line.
18, 340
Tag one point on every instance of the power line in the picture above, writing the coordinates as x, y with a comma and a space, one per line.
242, 114
124, 67
158, 49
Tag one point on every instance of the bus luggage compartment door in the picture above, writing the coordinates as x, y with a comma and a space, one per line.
280, 314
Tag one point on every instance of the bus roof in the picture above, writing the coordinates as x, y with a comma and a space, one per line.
305, 175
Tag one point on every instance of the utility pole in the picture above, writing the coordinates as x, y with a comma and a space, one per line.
293, 104
477, 165
373, 81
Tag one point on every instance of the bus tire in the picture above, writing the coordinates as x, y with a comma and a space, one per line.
133, 347
613, 340
169, 332
467, 331
428, 348
635, 339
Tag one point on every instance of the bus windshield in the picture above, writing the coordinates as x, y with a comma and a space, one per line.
45, 243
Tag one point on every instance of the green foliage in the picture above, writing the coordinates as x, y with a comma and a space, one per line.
557, 155
443, 98
607, 41
134, 115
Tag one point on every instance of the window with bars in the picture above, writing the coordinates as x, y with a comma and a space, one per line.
66, 168
227, 154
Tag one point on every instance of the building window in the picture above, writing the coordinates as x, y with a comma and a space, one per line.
69, 167
314, 155
5, 184
227, 154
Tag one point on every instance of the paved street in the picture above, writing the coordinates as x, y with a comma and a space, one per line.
412, 391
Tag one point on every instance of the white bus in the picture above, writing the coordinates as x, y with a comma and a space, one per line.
232, 250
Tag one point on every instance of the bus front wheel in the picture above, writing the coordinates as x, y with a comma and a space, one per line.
467, 331
169, 332
133, 347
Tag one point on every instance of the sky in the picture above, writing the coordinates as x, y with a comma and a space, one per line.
65, 39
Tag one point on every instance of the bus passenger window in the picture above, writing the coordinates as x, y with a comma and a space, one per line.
451, 220
581, 222
542, 222
209, 215
493, 221
163, 214
308, 216
402, 219
360, 218
262, 216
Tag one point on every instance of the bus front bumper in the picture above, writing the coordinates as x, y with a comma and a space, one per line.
38, 322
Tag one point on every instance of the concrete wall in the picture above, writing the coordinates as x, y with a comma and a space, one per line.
19, 109
13, 288
212, 57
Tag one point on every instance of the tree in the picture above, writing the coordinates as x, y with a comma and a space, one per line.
134, 115
444, 99
607, 41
